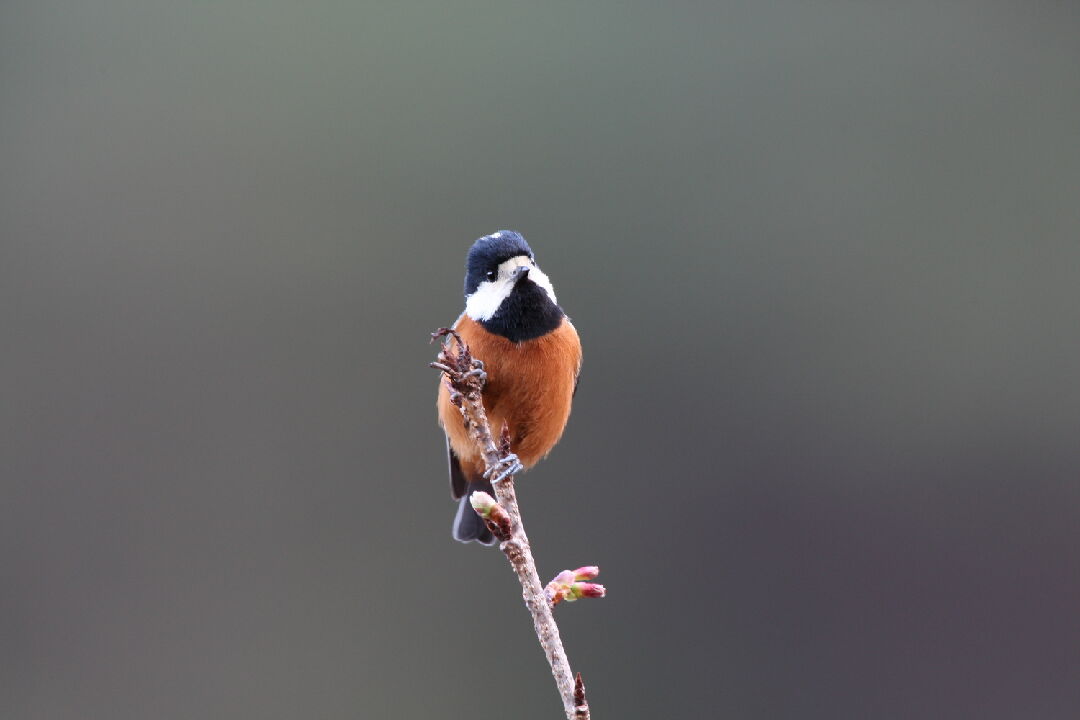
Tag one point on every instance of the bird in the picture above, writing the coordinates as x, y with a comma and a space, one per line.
532, 356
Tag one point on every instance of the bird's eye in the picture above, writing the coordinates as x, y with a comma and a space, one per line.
492, 274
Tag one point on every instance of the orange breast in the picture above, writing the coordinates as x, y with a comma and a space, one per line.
529, 387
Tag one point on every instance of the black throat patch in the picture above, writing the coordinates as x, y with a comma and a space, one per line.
526, 313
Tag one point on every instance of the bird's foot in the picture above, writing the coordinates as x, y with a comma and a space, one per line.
508, 465
476, 372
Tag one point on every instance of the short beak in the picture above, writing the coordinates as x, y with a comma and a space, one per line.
521, 273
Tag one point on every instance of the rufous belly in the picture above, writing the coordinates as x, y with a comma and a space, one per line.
529, 388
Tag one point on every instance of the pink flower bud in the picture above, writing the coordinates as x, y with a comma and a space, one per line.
564, 578
568, 585
586, 589
589, 572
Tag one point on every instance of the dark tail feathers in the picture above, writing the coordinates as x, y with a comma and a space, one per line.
469, 526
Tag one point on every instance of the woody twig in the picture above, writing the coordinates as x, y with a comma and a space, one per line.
465, 378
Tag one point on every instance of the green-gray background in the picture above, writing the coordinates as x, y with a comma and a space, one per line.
825, 259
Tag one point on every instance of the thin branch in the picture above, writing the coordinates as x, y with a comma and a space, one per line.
465, 379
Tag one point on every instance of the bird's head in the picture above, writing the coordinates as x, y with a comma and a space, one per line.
506, 291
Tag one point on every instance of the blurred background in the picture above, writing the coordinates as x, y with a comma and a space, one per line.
824, 257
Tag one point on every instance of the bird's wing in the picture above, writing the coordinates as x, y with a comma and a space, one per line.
458, 483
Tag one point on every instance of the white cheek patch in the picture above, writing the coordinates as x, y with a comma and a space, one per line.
540, 278
484, 303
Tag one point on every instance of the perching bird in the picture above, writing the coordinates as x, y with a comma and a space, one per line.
532, 357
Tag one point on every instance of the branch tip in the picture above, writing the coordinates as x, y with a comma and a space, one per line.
579, 691
504, 440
